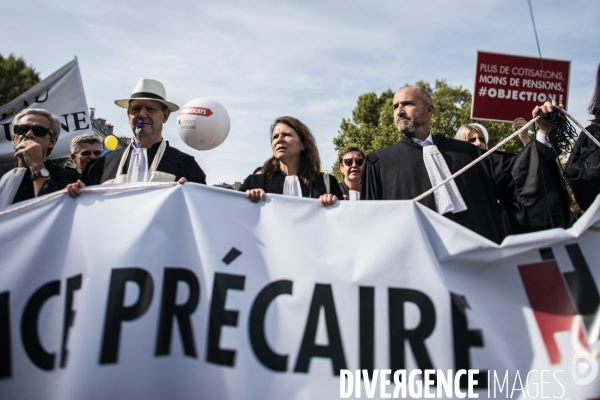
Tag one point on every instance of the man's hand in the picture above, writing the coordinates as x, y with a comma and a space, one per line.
524, 136
546, 108
327, 200
182, 180
74, 189
256, 194
31, 153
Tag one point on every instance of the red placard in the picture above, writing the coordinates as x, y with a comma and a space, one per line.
508, 87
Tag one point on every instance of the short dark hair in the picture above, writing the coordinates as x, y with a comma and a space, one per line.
595, 104
349, 150
310, 163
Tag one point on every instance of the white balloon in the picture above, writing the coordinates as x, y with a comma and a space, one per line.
203, 124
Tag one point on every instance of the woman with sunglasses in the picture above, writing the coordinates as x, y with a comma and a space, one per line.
350, 163
293, 169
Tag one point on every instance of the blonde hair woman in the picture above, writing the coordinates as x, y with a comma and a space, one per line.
475, 134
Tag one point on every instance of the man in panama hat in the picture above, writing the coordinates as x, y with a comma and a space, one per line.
147, 111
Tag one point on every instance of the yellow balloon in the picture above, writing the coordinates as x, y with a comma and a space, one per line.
111, 142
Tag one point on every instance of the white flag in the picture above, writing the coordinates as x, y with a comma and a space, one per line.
62, 94
188, 292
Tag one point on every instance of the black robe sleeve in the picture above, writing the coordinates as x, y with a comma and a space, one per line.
583, 168
318, 187
370, 187
59, 178
92, 173
529, 189
254, 181
344, 189
192, 171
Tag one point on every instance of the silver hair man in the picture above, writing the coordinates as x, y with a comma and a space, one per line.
85, 148
78, 140
54, 122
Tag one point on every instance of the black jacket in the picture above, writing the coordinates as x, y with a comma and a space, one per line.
274, 184
59, 179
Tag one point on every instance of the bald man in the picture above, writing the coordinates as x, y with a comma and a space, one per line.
503, 194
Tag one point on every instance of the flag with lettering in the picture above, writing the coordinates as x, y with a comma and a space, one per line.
62, 94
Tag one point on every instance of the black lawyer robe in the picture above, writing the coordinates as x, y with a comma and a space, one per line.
344, 189
520, 186
59, 179
583, 168
173, 162
274, 184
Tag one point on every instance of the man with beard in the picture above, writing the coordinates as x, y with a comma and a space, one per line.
519, 186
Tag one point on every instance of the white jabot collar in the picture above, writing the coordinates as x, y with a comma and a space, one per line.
447, 197
291, 186
353, 195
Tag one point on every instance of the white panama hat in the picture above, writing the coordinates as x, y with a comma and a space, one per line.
148, 89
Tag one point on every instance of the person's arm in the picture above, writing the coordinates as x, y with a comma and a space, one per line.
529, 183
524, 136
254, 187
193, 172
334, 194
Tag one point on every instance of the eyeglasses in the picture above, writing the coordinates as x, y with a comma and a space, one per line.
86, 153
39, 131
349, 161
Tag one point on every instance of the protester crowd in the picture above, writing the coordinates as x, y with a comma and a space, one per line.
502, 194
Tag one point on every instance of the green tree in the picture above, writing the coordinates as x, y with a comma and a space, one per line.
372, 124
15, 78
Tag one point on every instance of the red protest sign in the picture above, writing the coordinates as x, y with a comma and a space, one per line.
508, 87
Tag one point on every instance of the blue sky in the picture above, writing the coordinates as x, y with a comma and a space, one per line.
308, 59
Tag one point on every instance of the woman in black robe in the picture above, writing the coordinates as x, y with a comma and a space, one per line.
583, 167
294, 167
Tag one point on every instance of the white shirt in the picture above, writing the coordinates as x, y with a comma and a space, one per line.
424, 143
353, 195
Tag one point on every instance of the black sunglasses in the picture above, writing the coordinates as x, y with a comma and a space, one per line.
348, 161
38, 131
86, 153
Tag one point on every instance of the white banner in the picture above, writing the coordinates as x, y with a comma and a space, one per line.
194, 292
62, 94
